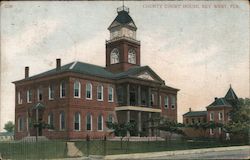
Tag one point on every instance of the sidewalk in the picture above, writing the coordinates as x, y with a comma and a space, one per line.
171, 153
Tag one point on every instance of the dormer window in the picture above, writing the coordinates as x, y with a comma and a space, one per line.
114, 56
132, 56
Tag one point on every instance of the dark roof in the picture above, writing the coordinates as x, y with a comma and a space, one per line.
231, 94
195, 113
123, 18
94, 70
218, 102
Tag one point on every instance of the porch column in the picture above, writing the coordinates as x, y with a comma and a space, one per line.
149, 97
128, 120
139, 95
37, 129
149, 124
128, 97
139, 123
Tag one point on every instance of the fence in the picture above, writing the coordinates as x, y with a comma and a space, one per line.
58, 148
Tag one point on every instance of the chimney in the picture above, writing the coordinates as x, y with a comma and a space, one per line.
26, 72
58, 64
190, 110
215, 98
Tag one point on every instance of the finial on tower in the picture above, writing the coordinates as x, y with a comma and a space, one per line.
230, 86
123, 8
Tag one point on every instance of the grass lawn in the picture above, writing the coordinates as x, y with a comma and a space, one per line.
114, 147
39, 150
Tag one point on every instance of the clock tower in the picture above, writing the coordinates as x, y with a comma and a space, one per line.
122, 50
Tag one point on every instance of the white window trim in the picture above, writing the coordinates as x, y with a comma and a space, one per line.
19, 99
112, 100
38, 92
97, 123
173, 104
165, 102
50, 89
60, 118
18, 127
91, 127
220, 118
49, 122
210, 116
61, 89
90, 91
219, 129
101, 92
211, 131
79, 122
160, 100
79, 90
28, 97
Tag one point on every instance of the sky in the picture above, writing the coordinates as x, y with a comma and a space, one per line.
193, 45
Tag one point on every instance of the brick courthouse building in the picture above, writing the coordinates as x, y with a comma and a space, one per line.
78, 98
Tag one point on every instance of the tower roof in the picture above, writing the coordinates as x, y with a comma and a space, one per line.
231, 94
123, 18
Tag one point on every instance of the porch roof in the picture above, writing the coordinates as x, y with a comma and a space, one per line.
137, 108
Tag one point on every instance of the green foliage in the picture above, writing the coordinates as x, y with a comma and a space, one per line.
9, 126
170, 126
240, 116
121, 129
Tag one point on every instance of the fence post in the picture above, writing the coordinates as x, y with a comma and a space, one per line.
105, 145
87, 140
127, 146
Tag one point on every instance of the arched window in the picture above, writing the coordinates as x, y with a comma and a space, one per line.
110, 118
88, 91
132, 56
20, 124
89, 122
62, 121
77, 121
62, 89
100, 92
51, 120
114, 56
110, 94
100, 122
77, 89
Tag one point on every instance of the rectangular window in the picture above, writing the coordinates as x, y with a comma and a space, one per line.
211, 116
51, 92
228, 116
62, 89
20, 124
100, 123
89, 122
219, 130
173, 102
152, 99
166, 101
88, 91
220, 114
110, 94
186, 120
39, 94
120, 95
19, 99
29, 96
192, 120
100, 93
211, 131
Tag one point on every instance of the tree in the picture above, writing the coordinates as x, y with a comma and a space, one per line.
9, 126
170, 126
121, 129
203, 126
240, 119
